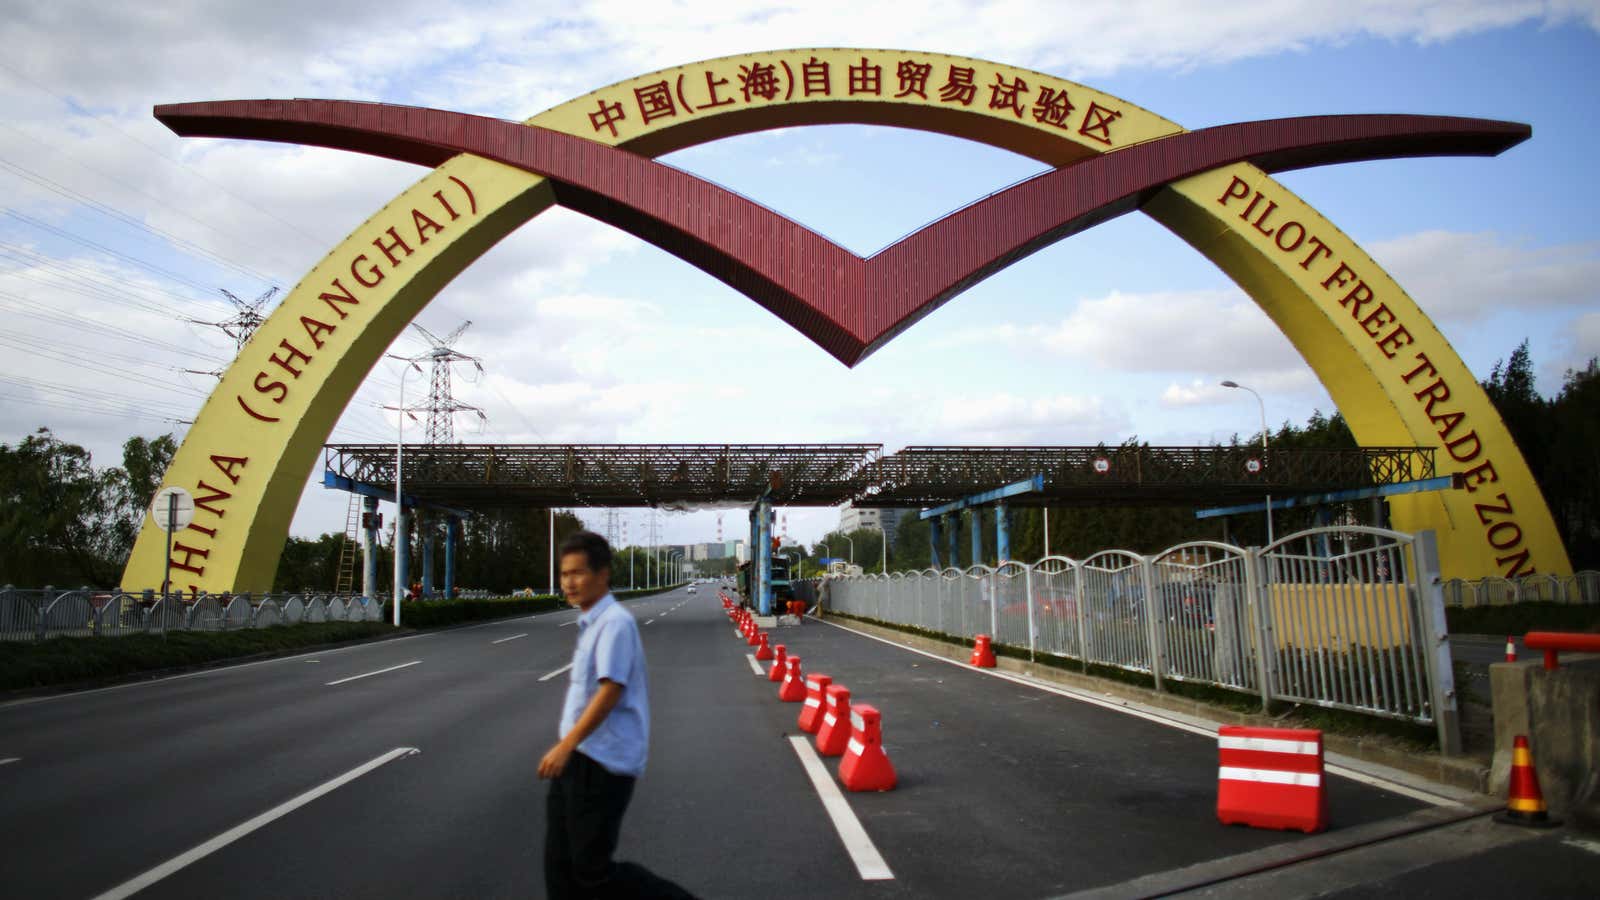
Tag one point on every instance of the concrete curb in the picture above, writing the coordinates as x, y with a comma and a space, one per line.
1468, 776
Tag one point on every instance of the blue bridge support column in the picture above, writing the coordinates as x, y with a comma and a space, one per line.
952, 536
369, 548
452, 535
934, 533
977, 535
426, 533
1002, 532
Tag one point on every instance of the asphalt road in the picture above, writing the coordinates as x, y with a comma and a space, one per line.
416, 777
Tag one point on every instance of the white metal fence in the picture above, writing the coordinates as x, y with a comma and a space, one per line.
35, 614
1349, 618
1581, 587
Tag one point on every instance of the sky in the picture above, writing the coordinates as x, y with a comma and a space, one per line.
117, 237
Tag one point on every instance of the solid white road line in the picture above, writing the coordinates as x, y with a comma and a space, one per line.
1208, 730
512, 638
869, 862
755, 665
549, 675
414, 662
650, 622
7, 762
129, 888
565, 624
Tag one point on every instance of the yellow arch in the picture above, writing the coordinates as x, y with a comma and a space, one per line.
1387, 367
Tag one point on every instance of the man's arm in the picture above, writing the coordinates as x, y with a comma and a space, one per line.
605, 699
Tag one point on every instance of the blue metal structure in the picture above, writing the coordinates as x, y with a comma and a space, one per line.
1442, 483
452, 536
949, 514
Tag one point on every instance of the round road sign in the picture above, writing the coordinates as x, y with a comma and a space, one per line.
173, 509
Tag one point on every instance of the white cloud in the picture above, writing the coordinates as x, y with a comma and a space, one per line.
1465, 277
1218, 331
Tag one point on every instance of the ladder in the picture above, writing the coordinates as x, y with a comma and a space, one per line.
344, 578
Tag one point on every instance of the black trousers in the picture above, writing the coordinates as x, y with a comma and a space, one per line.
583, 817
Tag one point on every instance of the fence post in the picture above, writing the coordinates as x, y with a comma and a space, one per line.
1436, 642
1077, 608
1258, 607
1027, 585
994, 608
1152, 631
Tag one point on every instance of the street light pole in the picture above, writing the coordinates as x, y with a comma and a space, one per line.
852, 548
399, 475
1263, 407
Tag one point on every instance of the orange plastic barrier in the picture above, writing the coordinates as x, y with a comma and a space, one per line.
811, 712
763, 652
1271, 778
779, 666
982, 653
793, 689
834, 735
865, 766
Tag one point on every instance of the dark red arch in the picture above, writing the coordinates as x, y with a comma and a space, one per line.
848, 305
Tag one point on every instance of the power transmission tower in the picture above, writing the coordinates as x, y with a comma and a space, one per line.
442, 406
246, 319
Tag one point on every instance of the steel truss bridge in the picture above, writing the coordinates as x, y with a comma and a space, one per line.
499, 476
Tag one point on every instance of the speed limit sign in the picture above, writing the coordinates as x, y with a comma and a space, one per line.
173, 509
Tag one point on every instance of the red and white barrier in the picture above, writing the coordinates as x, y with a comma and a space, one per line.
865, 766
764, 651
982, 652
793, 689
780, 666
1271, 778
834, 733
811, 712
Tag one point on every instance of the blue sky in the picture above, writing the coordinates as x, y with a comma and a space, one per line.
587, 335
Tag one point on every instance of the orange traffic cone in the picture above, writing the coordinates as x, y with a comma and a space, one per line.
763, 652
1511, 649
756, 636
780, 665
1524, 803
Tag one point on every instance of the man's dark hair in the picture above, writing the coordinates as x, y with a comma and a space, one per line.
593, 547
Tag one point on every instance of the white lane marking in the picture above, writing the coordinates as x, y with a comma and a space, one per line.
1581, 844
7, 762
216, 671
755, 665
1386, 784
549, 675
565, 624
139, 883
414, 662
512, 638
869, 862
650, 622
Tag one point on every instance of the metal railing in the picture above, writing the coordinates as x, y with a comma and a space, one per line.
38, 613
1348, 618
1581, 587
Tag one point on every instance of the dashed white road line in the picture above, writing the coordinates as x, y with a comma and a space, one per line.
511, 638
414, 662
9, 761
869, 862
755, 665
139, 883
565, 624
549, 675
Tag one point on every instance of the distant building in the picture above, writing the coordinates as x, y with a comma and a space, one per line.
853, 519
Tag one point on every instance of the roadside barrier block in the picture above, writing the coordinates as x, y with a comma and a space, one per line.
1271, 778
865, 766
793, 689
833, 735
811, 712
780, 666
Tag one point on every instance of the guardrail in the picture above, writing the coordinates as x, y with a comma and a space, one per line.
1348, 618
38, 613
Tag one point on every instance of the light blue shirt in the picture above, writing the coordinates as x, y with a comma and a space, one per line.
609, 647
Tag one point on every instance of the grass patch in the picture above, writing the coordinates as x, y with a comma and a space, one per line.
62, 660
1521, 618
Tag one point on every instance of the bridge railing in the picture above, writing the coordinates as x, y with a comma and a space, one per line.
1348, 618
1580, 587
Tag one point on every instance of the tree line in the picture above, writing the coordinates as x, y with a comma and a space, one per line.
65, 522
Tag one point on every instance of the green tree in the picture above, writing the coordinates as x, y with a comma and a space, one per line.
58, 515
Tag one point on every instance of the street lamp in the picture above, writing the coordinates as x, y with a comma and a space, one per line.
852, 548
399, 465
1263, 406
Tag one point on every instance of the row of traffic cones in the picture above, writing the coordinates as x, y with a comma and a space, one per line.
853, 731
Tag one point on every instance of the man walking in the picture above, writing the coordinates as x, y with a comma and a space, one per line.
605, 736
